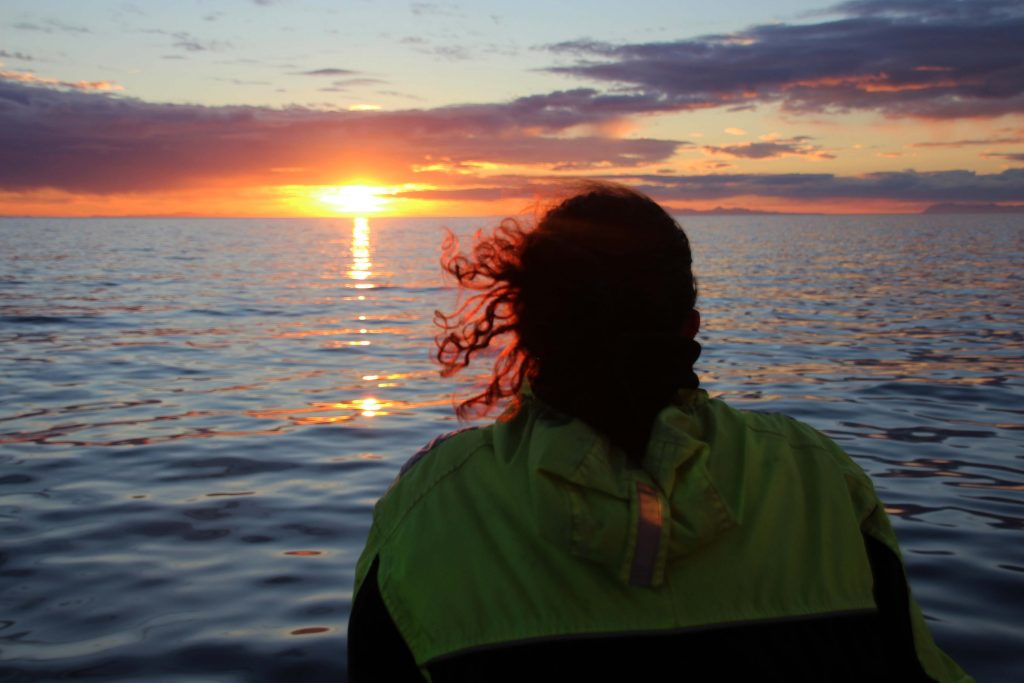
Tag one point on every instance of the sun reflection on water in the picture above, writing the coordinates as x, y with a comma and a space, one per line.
361, 265
371, 407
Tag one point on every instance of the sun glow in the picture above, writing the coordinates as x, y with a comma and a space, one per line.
357, 200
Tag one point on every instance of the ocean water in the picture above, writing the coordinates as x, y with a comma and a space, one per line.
196, 417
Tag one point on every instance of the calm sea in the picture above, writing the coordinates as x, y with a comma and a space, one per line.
196, 417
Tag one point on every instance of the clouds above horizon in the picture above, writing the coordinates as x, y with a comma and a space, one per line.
947, 61
930, 59
59, 138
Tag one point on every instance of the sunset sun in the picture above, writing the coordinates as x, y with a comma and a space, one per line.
355, 199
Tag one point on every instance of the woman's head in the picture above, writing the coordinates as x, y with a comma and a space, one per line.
597, 300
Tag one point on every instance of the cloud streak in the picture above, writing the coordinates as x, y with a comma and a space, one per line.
51, 26
1012, 139
31, 78
937, 59
1009, 156
4, 54
327, 72
347, 84
188, 42
772, 149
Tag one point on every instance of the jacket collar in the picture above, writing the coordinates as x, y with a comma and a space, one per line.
603, 508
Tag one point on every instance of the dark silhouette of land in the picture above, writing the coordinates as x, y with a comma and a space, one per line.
955, 207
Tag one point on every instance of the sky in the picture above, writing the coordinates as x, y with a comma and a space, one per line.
320, 108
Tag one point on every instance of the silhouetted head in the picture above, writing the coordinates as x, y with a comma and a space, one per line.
597, 302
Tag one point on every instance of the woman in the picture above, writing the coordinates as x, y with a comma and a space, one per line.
615, 521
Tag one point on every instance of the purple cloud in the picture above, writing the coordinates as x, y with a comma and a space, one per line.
935, 59
91, 142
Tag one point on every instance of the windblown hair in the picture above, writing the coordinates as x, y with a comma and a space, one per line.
590, 306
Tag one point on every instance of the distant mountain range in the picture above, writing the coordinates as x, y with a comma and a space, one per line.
944, 208
974, 208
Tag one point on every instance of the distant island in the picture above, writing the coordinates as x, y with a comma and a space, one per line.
955, 207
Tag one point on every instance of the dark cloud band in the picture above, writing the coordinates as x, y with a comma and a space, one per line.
940, 186
59, 138
934, 59
912, 186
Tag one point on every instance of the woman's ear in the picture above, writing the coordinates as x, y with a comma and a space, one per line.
692, 326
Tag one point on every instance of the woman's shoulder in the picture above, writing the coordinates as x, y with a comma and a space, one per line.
755, 442
766, 422
439, 459
773, 436
456, 441
773, 426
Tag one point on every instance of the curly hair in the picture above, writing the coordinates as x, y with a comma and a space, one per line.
494, 271
589, 306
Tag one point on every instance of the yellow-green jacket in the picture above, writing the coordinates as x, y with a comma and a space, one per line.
537, 528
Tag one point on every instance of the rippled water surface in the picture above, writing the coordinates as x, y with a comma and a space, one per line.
196, 417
